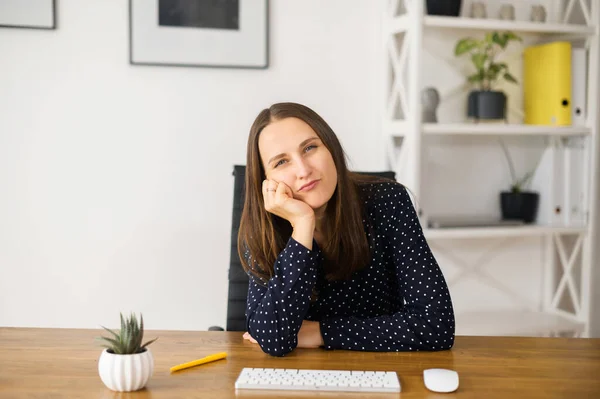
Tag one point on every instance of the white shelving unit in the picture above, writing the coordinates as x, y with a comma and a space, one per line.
405, 24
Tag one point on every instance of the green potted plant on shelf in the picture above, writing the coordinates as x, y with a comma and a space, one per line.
519, 203
485, 103
126, 364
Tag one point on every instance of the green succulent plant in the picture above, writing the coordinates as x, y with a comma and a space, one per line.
483, 55
128, 340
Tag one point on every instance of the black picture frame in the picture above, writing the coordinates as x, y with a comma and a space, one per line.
19, 25
135, 59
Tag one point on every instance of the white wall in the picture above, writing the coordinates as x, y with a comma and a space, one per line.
116, 179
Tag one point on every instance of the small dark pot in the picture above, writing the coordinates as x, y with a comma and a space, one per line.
486, 105
450, 8
520, 206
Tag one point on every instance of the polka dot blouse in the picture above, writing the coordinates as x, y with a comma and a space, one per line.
399, 302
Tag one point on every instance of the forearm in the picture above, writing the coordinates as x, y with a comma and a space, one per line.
425, 316
275, 313
277, 318
402, 331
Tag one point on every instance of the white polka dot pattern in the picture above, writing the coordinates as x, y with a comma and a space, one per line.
399, 302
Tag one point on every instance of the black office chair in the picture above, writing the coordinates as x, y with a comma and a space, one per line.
238, 279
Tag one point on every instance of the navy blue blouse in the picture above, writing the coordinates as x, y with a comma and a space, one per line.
399, 302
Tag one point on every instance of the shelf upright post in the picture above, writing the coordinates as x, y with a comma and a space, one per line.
386, 87
393, 91
413, 117
589, 253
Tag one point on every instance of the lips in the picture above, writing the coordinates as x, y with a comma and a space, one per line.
309, 186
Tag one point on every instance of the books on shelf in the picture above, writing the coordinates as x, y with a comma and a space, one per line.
570, 171
578, 86
547, 84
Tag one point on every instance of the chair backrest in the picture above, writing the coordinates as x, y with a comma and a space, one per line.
238, 280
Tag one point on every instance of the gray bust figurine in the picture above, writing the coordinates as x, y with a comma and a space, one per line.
430, 99
538, 13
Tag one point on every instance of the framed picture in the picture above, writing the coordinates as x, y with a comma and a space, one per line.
199, 33
28, 14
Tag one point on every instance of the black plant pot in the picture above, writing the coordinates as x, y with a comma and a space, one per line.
485, 104
450, 8
520, 206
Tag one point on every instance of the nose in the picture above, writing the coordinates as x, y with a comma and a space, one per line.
303, 169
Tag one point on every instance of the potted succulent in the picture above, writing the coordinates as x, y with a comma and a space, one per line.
519, 203
485, 103
126, 364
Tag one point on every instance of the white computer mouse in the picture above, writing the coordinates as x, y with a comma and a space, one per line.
440, 380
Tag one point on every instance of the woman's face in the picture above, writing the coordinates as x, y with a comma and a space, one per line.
292, 153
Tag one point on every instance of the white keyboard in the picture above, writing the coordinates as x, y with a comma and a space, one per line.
318, 380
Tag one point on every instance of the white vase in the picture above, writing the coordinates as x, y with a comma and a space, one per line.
125, 373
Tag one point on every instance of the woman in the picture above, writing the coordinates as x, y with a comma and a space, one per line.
335, 259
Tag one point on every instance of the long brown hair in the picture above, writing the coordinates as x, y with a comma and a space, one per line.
263, 235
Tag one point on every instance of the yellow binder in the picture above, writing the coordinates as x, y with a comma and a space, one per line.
547, 84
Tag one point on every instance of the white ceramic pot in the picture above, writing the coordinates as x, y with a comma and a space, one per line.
125, 373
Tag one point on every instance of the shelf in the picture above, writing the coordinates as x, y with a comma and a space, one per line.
503, 129
400, 129
499, 232
402, 23
515, 26
515, 323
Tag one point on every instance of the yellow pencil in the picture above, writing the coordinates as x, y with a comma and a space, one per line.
207, 359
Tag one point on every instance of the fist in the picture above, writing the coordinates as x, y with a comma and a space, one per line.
249, 338
279, 200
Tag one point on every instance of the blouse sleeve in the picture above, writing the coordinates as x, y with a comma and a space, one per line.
276, 308
426, 321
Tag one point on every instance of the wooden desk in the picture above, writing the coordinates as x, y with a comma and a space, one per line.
58, 363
